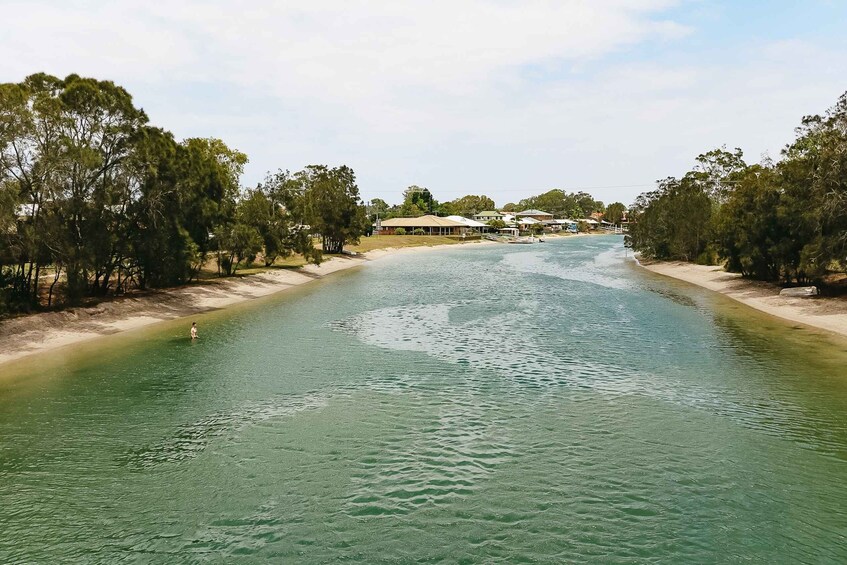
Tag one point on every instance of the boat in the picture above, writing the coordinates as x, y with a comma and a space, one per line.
524, 240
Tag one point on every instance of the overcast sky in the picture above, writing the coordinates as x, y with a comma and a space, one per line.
504, 98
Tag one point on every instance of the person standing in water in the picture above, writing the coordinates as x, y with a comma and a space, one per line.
193, 332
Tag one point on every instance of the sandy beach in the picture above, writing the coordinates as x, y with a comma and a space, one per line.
828, 314
29, 335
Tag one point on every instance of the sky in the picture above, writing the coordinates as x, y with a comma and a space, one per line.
507, 98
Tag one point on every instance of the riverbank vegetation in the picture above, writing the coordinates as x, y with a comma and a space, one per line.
783, 221
94, 200
418, 201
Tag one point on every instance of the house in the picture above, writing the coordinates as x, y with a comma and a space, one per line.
487, 215
567, 225
535, 215
526, 223
431, 225
470, 224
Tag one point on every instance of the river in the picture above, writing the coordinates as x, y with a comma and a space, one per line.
538, 403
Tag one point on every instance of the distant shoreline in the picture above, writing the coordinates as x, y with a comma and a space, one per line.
39, 333
828, 314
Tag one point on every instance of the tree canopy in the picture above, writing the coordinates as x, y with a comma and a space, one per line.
782, 221
95, 200
332, 205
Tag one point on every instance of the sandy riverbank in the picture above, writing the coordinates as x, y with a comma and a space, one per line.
29, 335
828, 314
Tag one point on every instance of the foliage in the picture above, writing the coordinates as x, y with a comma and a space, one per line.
332, 206
673, 222
95, 200
236, 243
378, 208
614, 212
467, 206
418, 231
562, 204
417, 201
400, 231
783, 221
275, 210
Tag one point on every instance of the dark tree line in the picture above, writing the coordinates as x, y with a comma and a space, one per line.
560, 203
779, 221
418, 201
95, 200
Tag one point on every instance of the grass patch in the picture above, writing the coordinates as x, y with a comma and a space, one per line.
385, 241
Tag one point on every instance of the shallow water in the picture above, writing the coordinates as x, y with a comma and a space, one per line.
545, 403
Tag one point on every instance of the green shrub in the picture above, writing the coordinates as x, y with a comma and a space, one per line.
419, 231
400, 231
709, 256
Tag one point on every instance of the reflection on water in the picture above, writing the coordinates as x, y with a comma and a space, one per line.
547, 403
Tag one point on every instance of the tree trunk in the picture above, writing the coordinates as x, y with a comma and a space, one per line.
53, 284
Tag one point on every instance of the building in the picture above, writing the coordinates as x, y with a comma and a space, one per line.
431, 225
567, 225
470, 224
527, 222
488, 215
535, 215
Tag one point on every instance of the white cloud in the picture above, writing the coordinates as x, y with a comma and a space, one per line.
466, 96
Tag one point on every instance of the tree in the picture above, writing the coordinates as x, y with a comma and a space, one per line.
236, 243
378, 207
468, 206
497, 224
673, 222
717, 170
748, 229
274, 209
614, 212
417, 201
101, 199
210, 187
332, 205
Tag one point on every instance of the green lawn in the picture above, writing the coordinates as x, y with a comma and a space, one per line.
385, 241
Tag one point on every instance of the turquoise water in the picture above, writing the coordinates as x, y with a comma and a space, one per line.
544, 403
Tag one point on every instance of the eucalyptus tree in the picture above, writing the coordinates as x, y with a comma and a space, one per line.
210, 187
276, 210
332, 206
814, 172
31, 151
469, 205
98, 124
672, 222
614, 212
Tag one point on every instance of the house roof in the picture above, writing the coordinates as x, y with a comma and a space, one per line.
467, 222
534, 213
489, 213
528, 221
421, 222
